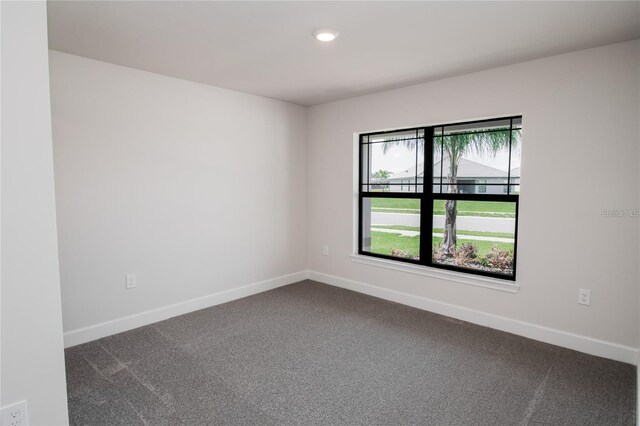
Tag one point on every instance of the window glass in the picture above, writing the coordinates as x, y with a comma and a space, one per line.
474, 172
391, 226
466, 154
394, 161
477, 235
516, 154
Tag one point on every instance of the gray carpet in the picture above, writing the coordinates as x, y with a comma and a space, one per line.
311, 354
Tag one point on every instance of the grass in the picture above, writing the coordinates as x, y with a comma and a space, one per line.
478, 208
383, 243
465, 208
396, 211
395, 203
479, 233
484, 247
458, 232
399, 227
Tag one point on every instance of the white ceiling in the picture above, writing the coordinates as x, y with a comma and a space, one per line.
266, 48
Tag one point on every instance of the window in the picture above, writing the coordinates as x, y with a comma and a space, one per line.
465, 218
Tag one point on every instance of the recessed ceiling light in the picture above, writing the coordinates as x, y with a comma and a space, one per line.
325, 34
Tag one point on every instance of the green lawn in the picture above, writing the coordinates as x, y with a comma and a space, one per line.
383, 243
465, 208
395, 203
484, 247
400, 227
469, 208
440, 231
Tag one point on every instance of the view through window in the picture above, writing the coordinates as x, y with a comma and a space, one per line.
465, 198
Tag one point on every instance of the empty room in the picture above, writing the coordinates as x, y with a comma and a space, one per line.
320, 212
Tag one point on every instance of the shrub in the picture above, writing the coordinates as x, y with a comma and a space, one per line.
401, 253
499, 259
465, 253
438, 255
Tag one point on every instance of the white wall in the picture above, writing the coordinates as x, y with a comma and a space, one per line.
199, 189
194, 188
32, 353
580, 126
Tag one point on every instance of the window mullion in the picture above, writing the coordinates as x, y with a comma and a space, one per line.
426, 201
509, 167
360, 191
515, 239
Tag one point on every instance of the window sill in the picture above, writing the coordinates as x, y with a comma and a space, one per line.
459, 277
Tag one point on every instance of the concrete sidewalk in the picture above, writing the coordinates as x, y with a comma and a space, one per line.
463, 223
406, 233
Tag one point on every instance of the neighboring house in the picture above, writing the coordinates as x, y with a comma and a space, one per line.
473, 178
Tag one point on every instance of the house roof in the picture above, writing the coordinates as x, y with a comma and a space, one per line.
466, 168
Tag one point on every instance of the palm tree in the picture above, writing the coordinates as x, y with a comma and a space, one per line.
452, 147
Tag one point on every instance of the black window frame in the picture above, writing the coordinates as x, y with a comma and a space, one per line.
428, 196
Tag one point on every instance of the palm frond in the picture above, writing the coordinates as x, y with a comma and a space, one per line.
478, 142
408, 144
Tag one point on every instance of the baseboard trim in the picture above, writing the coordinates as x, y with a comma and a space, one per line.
118, 325
556, 337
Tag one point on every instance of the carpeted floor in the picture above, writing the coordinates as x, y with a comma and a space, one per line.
310, 354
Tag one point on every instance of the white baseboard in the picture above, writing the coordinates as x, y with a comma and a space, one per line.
544, 334
118, 325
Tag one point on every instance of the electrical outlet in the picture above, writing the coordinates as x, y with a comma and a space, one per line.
584, 296
325, 250
14, 414
131, 281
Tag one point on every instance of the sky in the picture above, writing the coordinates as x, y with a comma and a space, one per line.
398, 159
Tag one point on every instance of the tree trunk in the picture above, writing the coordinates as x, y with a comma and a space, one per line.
451, 211
449, 240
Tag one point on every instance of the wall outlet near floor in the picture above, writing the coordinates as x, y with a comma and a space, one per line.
325, 250
131, 281
14, 414
584, 296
